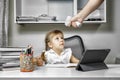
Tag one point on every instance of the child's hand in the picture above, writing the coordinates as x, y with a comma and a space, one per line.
39, 61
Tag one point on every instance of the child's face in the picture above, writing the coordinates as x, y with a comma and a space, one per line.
57, 42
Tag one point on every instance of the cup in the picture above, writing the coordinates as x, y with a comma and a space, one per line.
26, 62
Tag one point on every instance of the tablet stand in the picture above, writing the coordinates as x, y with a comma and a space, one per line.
91, 66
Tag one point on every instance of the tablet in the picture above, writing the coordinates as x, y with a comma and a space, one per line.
94, 56
93, 60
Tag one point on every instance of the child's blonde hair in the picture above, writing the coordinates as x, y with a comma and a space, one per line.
48, 37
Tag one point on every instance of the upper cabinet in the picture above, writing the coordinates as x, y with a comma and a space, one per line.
54, 11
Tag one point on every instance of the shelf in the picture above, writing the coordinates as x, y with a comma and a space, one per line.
54, 11
22, 22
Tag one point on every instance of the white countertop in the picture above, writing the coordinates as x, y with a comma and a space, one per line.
48, 72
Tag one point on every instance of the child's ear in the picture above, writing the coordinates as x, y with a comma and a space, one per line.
50, 44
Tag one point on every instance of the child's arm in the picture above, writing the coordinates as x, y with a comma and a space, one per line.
41, 59
73, 59
38, 61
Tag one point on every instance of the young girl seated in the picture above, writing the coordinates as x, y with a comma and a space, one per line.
55, 52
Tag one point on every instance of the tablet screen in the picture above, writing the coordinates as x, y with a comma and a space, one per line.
94, 56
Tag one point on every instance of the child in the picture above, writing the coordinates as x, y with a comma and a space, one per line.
55, 52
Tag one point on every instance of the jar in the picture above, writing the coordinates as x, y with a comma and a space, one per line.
26, 62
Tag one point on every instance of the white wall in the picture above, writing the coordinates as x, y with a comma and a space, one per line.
94, 35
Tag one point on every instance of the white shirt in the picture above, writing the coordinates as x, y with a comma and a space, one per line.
53, 58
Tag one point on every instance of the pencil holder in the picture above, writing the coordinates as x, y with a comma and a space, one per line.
26, 62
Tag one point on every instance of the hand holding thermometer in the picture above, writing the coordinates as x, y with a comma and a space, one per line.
67, 22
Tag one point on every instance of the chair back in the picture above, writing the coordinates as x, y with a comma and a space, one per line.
76, 44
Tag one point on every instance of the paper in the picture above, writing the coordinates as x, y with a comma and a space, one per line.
67, 22
12, 49
61, 65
